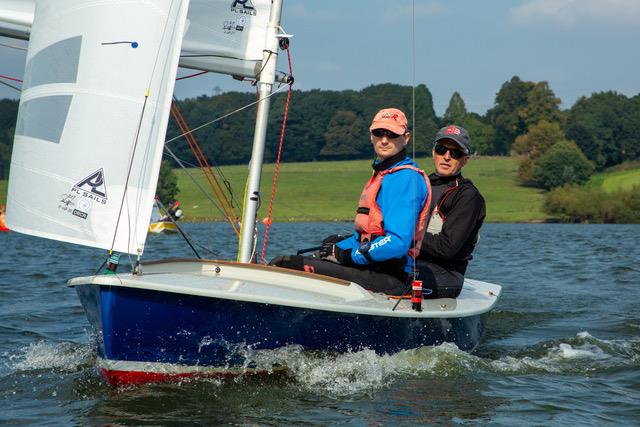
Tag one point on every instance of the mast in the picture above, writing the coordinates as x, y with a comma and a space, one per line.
265, 85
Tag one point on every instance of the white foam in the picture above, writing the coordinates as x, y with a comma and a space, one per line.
44, 355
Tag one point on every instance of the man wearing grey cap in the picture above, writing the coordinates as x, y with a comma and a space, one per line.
456, 214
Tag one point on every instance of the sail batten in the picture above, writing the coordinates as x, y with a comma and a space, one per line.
89, 140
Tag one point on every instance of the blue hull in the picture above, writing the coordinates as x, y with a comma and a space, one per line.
138, 325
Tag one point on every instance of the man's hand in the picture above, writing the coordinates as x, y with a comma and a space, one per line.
334, 238
331, 252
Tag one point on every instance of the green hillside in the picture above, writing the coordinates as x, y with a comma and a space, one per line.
616, 180
330, 190
325, 191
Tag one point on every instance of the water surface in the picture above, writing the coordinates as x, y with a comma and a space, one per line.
562, 347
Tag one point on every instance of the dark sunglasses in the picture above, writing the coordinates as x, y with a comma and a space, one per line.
379, 133
455, 153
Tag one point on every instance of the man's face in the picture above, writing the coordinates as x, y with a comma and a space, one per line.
445, 163
387, 144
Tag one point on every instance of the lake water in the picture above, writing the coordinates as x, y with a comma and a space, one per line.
562, 347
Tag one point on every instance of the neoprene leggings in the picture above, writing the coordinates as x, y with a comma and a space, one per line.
364, 276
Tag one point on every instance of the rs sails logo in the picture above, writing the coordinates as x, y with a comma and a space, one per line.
93, 187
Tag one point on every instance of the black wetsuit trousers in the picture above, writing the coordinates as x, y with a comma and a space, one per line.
369, 277
443, 283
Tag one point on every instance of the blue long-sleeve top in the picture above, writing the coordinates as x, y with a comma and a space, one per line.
401, 198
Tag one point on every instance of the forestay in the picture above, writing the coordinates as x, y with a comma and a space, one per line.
92, 119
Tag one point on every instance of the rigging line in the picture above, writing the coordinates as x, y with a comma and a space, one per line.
257, 75
137, 137
225, 180
192, 75
184, 236
10, 85
277, 167
413, 122
193, 144
195, 182
166, 38
280, 89
14, 47
10, 78
195, 149
126, 183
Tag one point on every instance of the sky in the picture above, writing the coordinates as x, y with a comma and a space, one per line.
469, 46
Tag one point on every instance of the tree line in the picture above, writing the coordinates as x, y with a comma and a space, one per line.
554, 147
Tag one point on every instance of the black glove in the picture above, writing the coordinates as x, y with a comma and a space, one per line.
334, 238
331, 252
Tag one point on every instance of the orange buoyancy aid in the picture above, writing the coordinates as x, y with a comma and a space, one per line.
369, 222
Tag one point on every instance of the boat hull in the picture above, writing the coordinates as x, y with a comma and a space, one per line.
163, 227
201, 318
144, 329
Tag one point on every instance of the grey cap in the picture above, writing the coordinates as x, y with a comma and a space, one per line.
457, 134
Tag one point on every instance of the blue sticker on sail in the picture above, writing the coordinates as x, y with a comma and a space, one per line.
133, 44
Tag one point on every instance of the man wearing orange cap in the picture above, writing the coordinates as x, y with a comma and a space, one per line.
390, 220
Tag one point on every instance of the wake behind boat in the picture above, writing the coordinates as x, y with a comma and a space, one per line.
95, 165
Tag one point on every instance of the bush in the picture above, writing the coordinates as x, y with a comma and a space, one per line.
581, 204
560, 165
167, 184
629, 208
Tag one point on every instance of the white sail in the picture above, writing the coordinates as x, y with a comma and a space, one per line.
92, 120
223, 36
226, 36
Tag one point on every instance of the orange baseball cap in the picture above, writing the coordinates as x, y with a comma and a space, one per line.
391, 119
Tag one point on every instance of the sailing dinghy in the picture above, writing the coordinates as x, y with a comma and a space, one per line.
88, 144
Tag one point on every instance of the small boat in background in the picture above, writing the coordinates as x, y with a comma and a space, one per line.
163, 227
3, 227
165, 224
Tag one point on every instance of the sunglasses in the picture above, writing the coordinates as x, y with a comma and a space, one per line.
455, 153
379, 133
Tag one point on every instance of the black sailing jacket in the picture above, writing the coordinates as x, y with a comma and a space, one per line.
464, 211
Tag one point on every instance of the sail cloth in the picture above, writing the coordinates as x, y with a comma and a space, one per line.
226, 36
223, 36
95, 100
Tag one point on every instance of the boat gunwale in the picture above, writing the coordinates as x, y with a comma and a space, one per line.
432, 308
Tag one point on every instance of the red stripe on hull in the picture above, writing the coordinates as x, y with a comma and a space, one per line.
131, 378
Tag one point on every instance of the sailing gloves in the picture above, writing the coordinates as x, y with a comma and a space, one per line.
331, 252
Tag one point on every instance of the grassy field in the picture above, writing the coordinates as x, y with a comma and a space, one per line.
326, 191
329, 190
616, 180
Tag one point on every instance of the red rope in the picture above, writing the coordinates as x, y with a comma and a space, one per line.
226, 205
10, 78
191, 75
267, 221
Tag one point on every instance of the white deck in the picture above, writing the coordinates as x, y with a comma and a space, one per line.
279, 286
